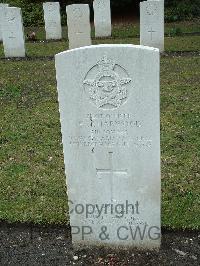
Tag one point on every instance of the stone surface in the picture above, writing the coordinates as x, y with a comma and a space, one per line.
102, 18
79, 29
152, 24
110, 118
13, 33
2, 7
52, 20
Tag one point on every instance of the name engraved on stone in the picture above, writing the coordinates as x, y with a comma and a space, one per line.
105, 86
110, 130
111, 172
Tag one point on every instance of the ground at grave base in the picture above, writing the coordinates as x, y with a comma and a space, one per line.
23, 244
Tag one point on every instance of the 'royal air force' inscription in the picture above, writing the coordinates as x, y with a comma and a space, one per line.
110, 130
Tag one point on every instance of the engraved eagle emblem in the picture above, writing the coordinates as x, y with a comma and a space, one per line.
107, 89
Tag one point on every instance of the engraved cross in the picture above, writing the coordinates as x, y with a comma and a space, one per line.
111, 172
151, 31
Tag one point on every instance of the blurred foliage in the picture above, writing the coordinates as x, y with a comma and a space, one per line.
174, 9
181, 10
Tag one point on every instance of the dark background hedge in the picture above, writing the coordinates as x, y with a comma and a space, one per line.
174, 9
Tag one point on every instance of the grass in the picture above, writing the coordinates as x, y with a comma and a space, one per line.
129, 29
32, 179
127, 33
32, 185
189, 43
180, 141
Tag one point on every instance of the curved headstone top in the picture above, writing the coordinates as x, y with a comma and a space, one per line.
110, 119
109, 46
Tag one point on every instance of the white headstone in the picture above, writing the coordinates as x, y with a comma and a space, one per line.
152, 24
102, 18
78, 22
110, 118
13, 33
52, 20
2, 7
157, 0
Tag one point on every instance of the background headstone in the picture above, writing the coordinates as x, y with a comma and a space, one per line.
13, 33
152, 24
110, 118
78, 22
102, 18
2, 7
52, 20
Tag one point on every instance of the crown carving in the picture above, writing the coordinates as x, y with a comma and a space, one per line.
106, 64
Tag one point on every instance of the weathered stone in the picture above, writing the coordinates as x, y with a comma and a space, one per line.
52, 20
152, 24
13, 33
79, 29
110, 118
102, 18
2, 7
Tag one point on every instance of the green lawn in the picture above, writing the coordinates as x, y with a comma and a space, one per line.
127, 33
32, 180
130, 29
189, 43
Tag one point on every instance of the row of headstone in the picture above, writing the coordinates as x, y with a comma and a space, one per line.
110, 119
78, 20
76, 15
152, 23
12, 31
